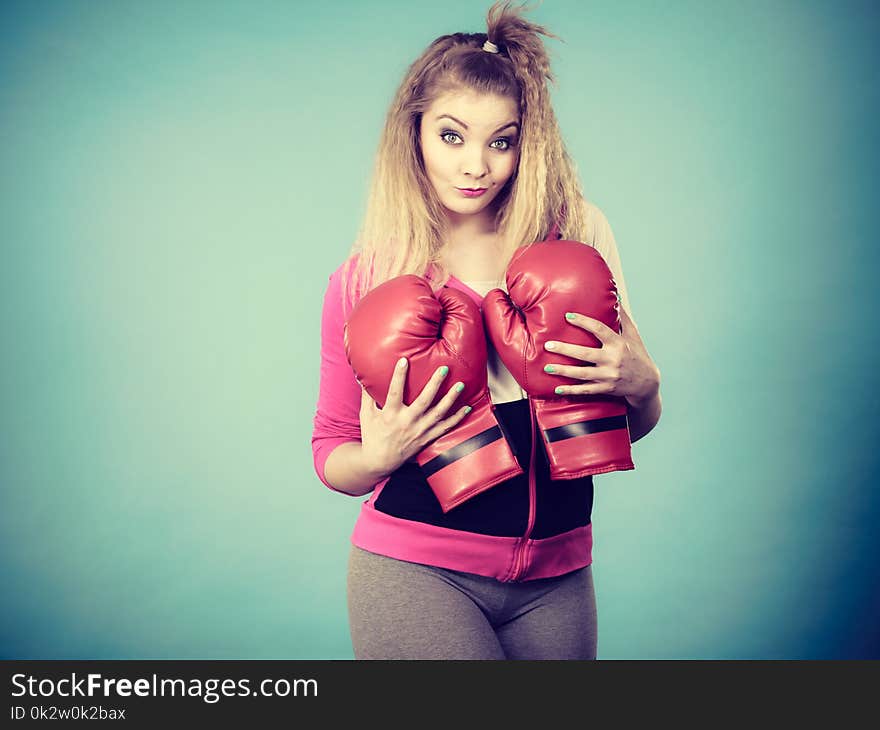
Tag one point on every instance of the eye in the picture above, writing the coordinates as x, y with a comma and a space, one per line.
508, 143
448, 133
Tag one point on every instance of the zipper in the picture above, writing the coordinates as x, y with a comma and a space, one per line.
519, 559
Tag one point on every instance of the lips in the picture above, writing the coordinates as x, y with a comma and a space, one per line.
472, 192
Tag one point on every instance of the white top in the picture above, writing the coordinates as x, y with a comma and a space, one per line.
503, 388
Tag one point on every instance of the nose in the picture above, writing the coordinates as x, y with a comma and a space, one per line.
475, 164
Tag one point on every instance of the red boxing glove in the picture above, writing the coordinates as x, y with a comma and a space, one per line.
403, 317
585, 434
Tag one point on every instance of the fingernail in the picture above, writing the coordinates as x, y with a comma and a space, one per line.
550, 345
558, 391
444, 370
549, 369
467, 409
569, 315
401, 363
459, 387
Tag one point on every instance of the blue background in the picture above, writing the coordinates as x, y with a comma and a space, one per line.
180, 178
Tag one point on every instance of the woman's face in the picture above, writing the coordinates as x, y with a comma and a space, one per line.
469, 141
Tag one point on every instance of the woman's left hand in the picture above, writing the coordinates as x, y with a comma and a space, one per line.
620, 367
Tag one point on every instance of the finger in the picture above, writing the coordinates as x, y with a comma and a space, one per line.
397, 384
594, 372
585, 389
439, 411
447, 424
429, 392
602, 331
367, 402
593, 355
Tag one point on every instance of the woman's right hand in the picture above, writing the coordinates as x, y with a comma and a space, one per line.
394, 434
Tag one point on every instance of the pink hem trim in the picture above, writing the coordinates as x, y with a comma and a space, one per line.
487, 555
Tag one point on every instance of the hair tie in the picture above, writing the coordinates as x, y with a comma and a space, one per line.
490, 47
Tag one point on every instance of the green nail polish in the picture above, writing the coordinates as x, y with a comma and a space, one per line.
558, 391
467, 409
549, 369
569, 315
444, 370
459, 387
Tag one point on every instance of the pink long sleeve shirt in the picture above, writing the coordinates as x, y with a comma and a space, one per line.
546, 532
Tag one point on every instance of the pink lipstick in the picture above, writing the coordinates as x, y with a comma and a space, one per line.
471, 192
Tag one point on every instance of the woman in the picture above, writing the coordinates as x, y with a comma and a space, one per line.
471, 166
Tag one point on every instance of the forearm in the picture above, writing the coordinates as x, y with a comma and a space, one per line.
346, 471
644, 415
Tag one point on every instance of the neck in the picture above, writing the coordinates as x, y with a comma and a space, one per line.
470, 248
463, 227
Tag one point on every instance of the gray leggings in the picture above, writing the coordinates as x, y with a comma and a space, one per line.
401, 610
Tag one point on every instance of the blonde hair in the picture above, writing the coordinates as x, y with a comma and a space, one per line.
404, 224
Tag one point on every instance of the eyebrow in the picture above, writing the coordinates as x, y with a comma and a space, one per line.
458, 121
